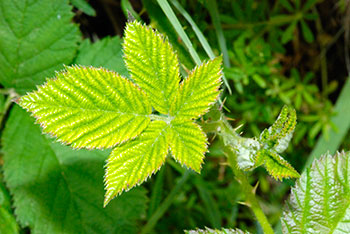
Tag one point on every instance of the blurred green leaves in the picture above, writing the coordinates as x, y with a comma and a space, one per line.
300, 14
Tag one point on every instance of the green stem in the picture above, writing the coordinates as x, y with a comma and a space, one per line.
228, 136
250, 199
165, 204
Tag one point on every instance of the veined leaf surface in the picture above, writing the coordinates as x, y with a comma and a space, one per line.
59, 190
278, 136
152, 63
134, 161
187, 143
95, 108
198, 91
89, 107
32, 45
320, 201
216, 231
275, 165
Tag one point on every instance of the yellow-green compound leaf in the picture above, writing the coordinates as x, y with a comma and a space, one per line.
89, 107
198, 91
152, 63
133, 162
188, 143
320, 201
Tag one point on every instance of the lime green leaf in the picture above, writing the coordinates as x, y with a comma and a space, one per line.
8, 224
33, 45
152, 63
320, 201
216, 231
133, 162
187, 143
105, 53
198, 91
60, 190
84, 7
89, 107
275, 165
157, 16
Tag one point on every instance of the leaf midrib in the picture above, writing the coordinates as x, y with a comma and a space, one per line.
95, 110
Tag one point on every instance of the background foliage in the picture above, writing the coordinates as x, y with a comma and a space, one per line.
275, 52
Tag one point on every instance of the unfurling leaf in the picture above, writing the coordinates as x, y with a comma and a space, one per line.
89, 107
95, 108
320, 201
252, 152
275, 140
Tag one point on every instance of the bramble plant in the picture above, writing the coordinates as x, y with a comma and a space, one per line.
132, 120
90, 108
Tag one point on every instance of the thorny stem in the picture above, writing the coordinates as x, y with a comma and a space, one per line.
250, 199
220, 126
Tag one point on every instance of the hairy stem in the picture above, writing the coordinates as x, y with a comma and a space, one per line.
228, 136
250, 199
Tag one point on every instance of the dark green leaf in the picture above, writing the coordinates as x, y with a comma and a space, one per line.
287, 5
105, 53
308, 5
288, 33
60, 190
37, 38
84, 7
308, 35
